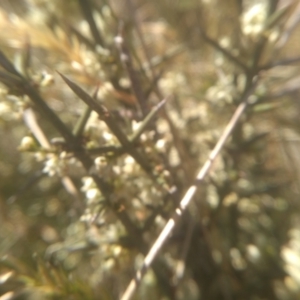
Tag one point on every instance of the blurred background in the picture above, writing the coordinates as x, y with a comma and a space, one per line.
63, 238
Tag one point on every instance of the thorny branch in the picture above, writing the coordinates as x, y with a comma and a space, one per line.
160, 241
16, 81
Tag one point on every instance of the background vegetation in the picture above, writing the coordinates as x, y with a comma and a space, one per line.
93, 162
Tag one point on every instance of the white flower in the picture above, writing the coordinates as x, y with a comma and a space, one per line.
108, 136
254, 18
100, 162
51, 165
161, 145
92, 194
88, 183
253, 253
27, 143
135, 125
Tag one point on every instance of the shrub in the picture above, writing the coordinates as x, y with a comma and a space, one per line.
108, 110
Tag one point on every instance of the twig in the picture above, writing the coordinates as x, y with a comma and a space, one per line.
187, 197
15, 81
127, 62
225, 52
81, 38
7, 65
140, 35
187, 166
160, 59
146, 122
180, 147
111, 124
114, 150
154, 84
88, 14
72, 190
80, 125
283, 62
31, 122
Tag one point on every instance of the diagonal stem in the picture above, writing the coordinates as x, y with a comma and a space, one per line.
187, 197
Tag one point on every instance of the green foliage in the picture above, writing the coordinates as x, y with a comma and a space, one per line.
107, 111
